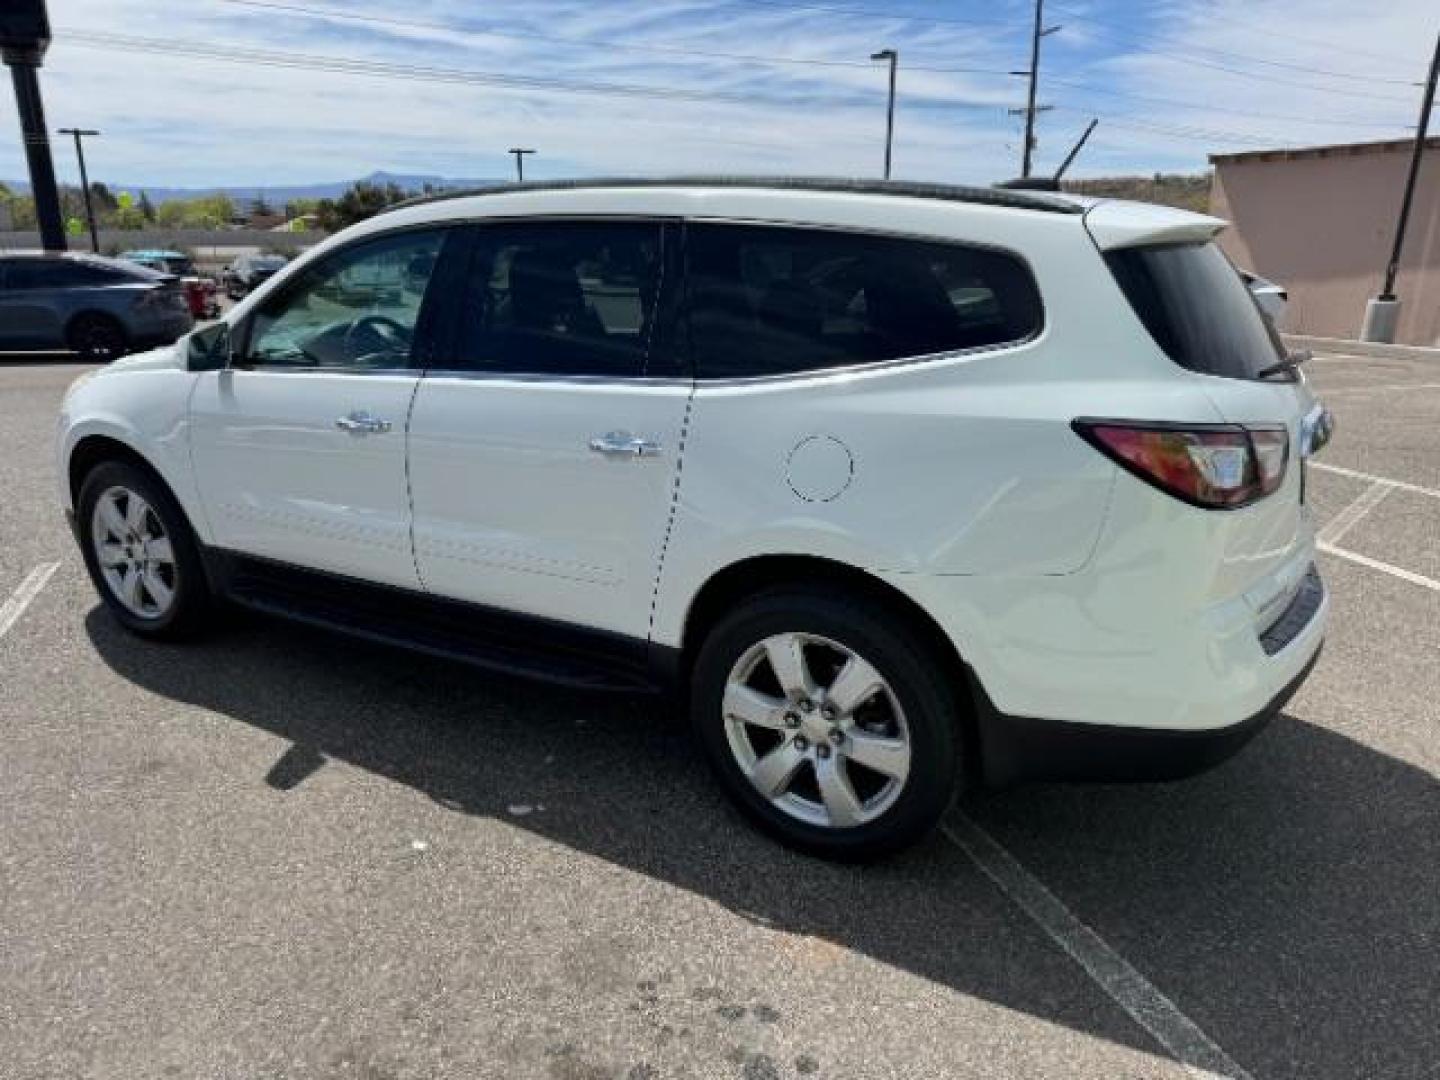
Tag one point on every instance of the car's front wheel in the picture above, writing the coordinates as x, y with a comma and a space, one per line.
141, 553
829, 721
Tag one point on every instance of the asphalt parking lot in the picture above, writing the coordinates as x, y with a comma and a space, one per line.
283, 854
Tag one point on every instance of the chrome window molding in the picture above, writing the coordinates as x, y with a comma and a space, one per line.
867, 367
471, 375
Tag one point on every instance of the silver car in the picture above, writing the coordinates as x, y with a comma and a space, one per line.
100, 308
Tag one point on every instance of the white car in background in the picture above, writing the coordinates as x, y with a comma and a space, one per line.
898, 487
1273, 299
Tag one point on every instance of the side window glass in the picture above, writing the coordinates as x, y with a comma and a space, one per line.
355, 310
39, 274
776, 300
560, 298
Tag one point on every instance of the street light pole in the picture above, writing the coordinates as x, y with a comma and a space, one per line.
1382, 314
520, 153
894, 58
23, 52
79, 134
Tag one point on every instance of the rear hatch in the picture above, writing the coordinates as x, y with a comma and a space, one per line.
1197, 308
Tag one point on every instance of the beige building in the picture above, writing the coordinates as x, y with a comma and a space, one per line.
1321, 222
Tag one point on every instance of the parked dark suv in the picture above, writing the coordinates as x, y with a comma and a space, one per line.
100, 308
248, 272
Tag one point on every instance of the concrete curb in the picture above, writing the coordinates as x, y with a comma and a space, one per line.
1343, 347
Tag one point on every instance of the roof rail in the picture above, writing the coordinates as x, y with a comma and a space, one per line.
990, 196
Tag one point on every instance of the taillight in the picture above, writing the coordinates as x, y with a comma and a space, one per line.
160, 297
1214, 466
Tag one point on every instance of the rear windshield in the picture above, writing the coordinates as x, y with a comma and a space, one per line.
1197, 308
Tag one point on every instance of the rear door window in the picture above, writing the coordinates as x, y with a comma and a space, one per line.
776, 300
1197, 307
42, 274
560, 298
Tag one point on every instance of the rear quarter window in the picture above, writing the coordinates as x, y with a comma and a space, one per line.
777, 300
1196, 306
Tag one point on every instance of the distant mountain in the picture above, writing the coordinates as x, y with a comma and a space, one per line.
279, 194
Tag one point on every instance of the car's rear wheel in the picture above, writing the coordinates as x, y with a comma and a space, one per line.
96, 337
141, 552
829, 722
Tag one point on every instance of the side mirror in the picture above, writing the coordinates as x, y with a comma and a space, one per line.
209, 349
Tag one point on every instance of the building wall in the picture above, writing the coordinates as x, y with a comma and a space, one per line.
1323, 226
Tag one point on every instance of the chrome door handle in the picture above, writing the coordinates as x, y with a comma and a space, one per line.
624, 444
362, 423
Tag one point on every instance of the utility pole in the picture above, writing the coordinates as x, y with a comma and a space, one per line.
24, 37
520, 153
1040, 31
1074, 150
1382, 314
79, 134
894, 58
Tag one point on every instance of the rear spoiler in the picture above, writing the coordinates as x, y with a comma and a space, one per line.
1118, 224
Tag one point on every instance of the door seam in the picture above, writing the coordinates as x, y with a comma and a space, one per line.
674, 510
409, 486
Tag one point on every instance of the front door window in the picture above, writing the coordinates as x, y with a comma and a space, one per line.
356, 310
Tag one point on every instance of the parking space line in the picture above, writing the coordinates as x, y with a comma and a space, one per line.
1145, 1004
1356, 474
1351, 516
28, 589
1384, 567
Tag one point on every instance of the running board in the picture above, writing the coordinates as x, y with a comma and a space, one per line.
472, 634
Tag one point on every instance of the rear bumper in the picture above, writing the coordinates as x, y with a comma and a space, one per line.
1018, 748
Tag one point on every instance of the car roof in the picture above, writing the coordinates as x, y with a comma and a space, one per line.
123, 265
1013, 199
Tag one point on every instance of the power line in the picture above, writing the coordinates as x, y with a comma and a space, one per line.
1200, 61
595, 43
414, 72
871, 13
1232, 18
1256, 114
1209, 136
307, 11
408, 72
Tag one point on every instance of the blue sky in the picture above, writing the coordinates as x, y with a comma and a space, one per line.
195, 92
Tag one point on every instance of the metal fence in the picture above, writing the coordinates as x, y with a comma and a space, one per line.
211, 249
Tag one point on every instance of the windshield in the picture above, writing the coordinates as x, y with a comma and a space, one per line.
268, 262
1197, 308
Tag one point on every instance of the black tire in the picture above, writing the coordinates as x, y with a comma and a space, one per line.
96, 337
916, 676
192, 609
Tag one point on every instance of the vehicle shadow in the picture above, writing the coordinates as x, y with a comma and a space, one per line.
1287, 902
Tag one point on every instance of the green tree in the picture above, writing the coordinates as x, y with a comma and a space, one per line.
171, 213
362, 200
22, 212
147, 208
103, 198
300, 207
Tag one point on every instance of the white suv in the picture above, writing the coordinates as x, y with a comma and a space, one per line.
901, 487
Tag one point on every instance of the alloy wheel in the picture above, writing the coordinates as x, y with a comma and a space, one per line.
817, 730
134, 553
